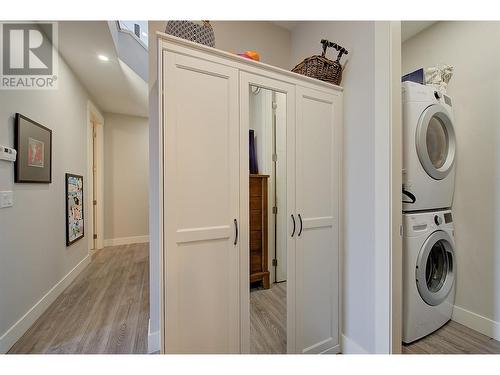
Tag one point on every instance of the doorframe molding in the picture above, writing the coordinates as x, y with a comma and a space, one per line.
388, 180
95, 115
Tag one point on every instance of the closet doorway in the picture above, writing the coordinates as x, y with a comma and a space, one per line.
95, 181
267, 220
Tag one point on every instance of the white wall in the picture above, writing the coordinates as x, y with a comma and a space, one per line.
271, 41
273, 44
126, 167
472, 48
33, 252
359, 314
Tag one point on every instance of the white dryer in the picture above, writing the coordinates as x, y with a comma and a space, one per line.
428, 272
429, 148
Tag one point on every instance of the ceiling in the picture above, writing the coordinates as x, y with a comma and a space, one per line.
113, 85
412, 28
408, 28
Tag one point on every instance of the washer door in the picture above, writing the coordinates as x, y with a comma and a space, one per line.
435, 141
435, 268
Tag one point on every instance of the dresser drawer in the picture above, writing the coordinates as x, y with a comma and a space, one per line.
255, 240
255, 187
255, 220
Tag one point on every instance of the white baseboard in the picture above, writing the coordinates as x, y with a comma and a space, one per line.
153, 340
125, 240
14, 333
476, 322
351, 347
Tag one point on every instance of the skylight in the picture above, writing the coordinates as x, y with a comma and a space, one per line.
137, 28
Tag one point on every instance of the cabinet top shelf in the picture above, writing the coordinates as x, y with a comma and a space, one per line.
169, 39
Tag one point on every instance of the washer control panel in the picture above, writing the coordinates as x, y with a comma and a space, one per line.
421, 223
438, 220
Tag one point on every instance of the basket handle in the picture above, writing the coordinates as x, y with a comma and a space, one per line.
326, 43
341, 52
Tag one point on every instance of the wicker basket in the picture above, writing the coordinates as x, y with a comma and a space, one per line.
199, 32
320, 67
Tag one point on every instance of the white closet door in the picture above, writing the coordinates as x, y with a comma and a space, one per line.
317, 191
201, 206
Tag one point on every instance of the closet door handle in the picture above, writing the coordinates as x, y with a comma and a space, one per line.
300, 231
293, 219
236, 231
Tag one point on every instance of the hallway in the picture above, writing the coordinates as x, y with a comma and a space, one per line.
104, 310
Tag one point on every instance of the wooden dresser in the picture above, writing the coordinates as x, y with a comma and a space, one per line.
259, 230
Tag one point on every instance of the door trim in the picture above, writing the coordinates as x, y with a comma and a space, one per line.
95, 116
388, 180
247, 79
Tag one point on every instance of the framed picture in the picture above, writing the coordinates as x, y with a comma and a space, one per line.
74, 208
33, 143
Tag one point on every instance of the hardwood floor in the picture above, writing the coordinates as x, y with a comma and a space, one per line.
268, 320
454, 338
104, 310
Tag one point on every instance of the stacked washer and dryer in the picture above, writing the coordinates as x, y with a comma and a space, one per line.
429, 269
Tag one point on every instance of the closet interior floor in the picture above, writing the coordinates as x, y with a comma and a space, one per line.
268, 320
454, 338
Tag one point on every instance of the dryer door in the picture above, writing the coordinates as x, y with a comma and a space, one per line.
435, 141
435, 268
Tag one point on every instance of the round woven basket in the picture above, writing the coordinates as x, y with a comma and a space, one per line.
199, 32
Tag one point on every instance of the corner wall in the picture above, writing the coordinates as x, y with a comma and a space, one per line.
472, 48
35, 264
126, 167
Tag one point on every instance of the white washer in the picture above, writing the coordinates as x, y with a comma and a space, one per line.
429, 148
428, 273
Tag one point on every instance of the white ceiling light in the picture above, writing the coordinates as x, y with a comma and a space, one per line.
103, 58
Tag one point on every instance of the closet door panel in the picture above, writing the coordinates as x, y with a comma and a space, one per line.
317, 183
202, 203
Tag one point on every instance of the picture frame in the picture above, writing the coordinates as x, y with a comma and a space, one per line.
75, 219
33, 143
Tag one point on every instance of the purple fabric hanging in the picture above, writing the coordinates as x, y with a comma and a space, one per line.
254, 169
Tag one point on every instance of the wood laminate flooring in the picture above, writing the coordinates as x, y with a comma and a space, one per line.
454, 338
268, 320
104, 310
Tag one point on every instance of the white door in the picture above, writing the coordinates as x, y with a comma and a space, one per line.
201, 197
318, 127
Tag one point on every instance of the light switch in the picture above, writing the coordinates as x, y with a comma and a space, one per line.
6, 199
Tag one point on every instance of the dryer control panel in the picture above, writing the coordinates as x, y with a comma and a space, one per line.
415, 92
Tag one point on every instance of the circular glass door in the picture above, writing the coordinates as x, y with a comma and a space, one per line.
434, 269
435, 141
